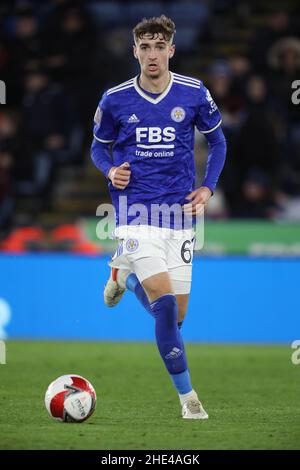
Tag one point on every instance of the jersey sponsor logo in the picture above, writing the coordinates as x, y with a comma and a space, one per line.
98, 116
132, 244
212, 104
133, 119
155, 137
178, 114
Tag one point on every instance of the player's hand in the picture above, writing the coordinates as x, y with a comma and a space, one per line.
120, 175
199, 200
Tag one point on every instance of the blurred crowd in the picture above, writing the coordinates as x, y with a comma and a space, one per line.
58, 56
261, 178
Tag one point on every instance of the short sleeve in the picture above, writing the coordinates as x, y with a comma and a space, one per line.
208, 117
105, 129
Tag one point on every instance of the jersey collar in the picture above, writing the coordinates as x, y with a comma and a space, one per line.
149, 98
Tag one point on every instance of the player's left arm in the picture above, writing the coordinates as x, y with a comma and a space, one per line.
209, 123
215, 163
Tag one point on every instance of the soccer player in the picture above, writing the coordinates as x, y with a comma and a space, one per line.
150, 122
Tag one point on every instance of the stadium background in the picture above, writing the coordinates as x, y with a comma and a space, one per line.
56, 59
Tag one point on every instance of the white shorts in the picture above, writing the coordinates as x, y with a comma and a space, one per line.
147, 250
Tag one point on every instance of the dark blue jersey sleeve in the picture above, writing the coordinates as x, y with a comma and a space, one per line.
216, 157
105, 126
100, 155
208, 117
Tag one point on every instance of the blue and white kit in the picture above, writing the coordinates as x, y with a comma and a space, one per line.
155, 134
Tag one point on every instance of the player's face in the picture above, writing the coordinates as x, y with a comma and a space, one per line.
153, 55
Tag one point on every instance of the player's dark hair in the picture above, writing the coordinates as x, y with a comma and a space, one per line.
155, 26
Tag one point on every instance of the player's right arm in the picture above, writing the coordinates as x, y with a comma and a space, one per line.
120, 175
105, 133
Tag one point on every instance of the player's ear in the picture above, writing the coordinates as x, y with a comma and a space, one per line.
134, 51
172, 51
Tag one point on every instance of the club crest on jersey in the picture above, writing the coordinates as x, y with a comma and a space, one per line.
132, 245
178, 114
98, 116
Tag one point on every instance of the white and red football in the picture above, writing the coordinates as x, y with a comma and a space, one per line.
70, 398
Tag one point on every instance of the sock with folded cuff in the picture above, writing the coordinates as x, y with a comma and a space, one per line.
168, 338
134, 285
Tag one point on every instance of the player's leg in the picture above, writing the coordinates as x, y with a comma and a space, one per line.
191, 405
153, 286
160, 301
179, 259
157, 296
133, 284
122, 278
164, 308
182, 303
157, 285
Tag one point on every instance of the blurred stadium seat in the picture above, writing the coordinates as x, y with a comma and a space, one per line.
188, 14
106, 13
134, 11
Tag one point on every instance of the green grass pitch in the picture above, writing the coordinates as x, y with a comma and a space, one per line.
252, 394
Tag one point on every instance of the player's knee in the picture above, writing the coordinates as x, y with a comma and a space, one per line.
157, 286
165, 310
157, 292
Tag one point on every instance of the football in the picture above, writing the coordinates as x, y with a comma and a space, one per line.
70, 398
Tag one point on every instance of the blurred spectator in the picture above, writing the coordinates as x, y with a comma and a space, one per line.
6, 71
117, 47
6, 193
240, 68
256, 199
26, 50
256, 150
278, 26
9, 146
284, 59
230, 100
70, 45
13, 141
256, 144
49, 122
231, 103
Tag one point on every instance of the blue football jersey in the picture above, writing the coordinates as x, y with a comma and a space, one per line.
156, 136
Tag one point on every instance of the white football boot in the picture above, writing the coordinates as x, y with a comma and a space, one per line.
115, 287
193, 409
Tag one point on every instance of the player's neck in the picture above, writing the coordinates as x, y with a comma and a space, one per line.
155, 85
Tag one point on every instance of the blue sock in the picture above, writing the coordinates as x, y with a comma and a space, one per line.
133, 284
168, 337
182, 382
